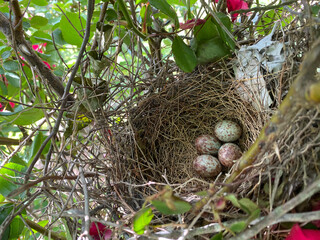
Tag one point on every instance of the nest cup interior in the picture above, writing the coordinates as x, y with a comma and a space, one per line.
166, 123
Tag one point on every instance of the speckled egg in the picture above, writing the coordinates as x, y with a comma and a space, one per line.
207, 144
228, 153
227, 131
207, 166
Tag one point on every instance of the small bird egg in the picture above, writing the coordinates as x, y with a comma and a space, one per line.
207, 166
207, 144
227, 131
228, 153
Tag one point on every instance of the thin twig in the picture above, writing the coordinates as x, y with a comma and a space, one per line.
66, 92
5, 224
86, 203
269, 7
280, 211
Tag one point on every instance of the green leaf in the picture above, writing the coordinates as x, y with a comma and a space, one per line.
227, 23
247, 205
8, 175
22, 116
71, 33
238, 226
41, 36
315, 9
6, 54
37, 141
141, 220
165, 8
38, 22
232, 198
111, 15
40, 2
11, 66
206, 31
202, 194
16, 227
217, 236
13, 79
4, 212
58, 38
254, 215
179, 206
181, 2
212, 50
183, 55
16, 159
26, 25
141, 1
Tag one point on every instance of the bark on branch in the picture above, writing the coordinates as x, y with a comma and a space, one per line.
15, 37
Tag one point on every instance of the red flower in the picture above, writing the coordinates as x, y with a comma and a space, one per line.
38, 48
3, 106
191, 23
99, 231
297, 233
234, 5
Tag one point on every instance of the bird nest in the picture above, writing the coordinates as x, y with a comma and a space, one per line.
166, 123
149, 141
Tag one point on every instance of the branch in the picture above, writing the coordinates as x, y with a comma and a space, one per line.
17, 39
18, 15
43, 230
5, 224
280, 211
217, 227
295, 99
9, 141
90, 8
130, 25
42, 179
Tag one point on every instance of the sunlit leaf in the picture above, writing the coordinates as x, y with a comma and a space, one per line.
22, 116
142, 219
38, 21
70, 32
171, 206
8, 175
40, 2
183, 55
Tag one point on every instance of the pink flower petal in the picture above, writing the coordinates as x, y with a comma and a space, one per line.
11, 104
48, 65
107, 234
234, 5
191, 23
297, 233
